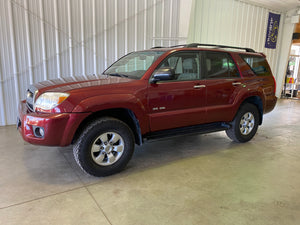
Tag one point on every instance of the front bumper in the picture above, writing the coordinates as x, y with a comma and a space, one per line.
59, 128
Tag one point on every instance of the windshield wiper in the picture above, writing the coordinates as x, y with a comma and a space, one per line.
116, 74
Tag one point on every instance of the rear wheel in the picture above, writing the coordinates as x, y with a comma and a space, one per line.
245, 124
105, 147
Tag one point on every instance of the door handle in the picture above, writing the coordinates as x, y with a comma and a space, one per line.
199, 86
236, 83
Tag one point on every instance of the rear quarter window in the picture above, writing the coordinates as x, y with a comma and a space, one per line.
258, 64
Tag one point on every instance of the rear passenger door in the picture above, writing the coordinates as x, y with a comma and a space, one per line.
223, 83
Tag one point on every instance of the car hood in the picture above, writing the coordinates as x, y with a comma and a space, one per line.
72, 83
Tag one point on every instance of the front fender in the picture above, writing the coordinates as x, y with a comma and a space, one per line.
114, 101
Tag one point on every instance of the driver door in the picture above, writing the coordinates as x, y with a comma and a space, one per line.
178, 102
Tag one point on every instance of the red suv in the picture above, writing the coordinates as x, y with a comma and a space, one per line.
147, 95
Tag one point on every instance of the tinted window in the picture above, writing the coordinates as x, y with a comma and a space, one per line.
185, 65
258, 64
220, 65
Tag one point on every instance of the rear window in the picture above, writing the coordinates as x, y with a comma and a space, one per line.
258, 64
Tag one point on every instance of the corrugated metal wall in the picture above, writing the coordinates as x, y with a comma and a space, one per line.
46, 39
236, 23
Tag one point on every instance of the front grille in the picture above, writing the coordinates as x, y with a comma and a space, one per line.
30, 97
30, 106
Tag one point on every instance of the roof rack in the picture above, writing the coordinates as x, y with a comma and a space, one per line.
195, 45
157, 47
174, 46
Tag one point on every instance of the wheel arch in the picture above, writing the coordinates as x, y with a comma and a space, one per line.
123, 114
257, 101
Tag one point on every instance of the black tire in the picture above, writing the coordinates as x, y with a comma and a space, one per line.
245, 124
116, 145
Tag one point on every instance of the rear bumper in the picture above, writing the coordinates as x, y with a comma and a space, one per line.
270, 103
59, 129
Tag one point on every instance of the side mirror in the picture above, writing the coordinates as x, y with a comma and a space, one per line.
163, 74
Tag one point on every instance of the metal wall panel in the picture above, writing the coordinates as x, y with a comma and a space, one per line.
42, 40
235, 23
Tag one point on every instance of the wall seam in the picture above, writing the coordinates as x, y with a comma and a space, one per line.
13, 52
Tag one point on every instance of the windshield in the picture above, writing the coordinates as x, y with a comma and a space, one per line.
133, 65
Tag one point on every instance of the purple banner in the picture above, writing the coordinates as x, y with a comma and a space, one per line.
272, 30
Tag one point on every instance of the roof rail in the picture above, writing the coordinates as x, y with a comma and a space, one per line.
195, 45
176, 46
157, 47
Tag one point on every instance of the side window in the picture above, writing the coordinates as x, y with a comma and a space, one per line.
185, 64
258, 64
219, 65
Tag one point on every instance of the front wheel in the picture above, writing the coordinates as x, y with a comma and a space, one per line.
105, 147
245, 124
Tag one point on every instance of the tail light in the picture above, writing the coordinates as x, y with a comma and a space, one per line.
274, 84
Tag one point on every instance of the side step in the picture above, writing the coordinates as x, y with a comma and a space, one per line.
197, 129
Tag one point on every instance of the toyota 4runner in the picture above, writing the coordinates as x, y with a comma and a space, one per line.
147, 95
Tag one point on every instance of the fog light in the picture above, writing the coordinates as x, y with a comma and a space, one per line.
38, 131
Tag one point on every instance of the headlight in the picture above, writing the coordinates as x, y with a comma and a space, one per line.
50, 100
